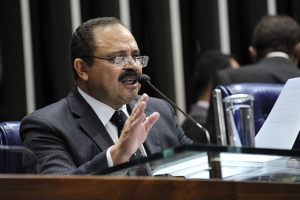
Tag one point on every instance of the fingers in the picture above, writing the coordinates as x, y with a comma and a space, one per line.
135, 131
150, 121
137, 115
139, 108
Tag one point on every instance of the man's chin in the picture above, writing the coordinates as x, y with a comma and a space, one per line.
130, 96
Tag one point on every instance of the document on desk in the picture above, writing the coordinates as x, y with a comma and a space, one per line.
197, 166
283, 123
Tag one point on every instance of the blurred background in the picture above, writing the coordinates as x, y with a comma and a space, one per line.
34, 42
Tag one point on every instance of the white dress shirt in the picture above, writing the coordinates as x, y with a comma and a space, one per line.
203, 104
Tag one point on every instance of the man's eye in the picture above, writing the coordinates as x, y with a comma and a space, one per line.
118, 59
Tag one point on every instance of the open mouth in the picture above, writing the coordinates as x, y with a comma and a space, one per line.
130, 80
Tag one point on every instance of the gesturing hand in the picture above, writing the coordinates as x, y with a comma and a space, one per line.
134, 132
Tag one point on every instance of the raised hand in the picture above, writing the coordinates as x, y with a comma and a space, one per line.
134, 132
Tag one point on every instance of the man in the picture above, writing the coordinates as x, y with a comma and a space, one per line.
275, 50
203, 82
75, 135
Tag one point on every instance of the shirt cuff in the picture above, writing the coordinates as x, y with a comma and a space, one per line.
109, 159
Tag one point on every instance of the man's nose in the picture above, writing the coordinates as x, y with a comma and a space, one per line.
131, 64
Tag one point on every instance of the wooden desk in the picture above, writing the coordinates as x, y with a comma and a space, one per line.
100, 187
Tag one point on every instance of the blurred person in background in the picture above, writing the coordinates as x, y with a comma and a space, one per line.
203, 82
275, 50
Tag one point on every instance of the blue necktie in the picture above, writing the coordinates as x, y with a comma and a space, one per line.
119, 119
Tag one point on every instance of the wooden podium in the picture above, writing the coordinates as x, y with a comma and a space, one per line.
104, 187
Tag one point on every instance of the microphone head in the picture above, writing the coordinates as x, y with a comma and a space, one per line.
144, 79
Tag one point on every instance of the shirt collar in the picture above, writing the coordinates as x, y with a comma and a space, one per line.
203, 104
278, 54
103, 111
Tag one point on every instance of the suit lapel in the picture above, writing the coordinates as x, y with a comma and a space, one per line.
91, 124
89, 121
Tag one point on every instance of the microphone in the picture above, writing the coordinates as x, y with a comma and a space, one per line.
22, 149
145, 80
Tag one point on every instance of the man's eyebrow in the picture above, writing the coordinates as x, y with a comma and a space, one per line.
136, 51
113, 53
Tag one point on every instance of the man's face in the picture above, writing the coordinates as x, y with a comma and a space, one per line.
108, 83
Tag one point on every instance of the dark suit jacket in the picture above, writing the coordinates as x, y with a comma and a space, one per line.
269, 70
192, 131
69, 138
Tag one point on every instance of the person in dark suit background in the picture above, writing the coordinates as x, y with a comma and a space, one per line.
75, 135
275, 49
203, 81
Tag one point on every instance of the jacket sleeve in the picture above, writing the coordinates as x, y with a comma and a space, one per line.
53, 150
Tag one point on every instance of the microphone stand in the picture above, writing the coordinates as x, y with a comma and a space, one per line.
185, 114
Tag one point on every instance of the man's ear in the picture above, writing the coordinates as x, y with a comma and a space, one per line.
253, 53
82, 69
296, 55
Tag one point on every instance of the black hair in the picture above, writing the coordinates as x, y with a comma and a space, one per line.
204, 73
83, 40
275, 33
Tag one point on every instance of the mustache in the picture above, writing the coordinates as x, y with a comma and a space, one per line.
129, 72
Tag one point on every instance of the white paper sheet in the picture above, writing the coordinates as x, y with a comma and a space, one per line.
198, 166
283, 123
